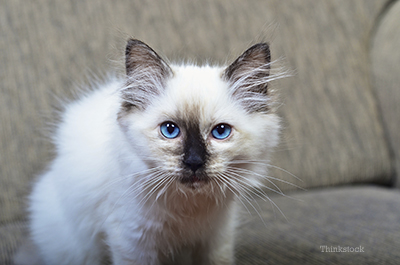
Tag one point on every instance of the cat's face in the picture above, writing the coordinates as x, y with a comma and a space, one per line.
200, 126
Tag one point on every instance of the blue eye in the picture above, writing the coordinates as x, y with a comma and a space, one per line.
221, 131
169, 129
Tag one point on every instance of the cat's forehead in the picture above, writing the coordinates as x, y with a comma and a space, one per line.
194, 81
197, 93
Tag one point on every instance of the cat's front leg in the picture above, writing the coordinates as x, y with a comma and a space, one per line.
128, 248
121, 256
222, 254
219, 249
201, 254
222, 244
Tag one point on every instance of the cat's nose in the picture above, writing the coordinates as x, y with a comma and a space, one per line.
194, 162
195, 152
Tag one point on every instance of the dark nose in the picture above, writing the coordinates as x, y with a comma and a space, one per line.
193, 161
195, 152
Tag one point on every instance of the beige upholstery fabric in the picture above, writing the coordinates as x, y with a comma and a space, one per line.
385, 64
366, 217
11, 236
333, 132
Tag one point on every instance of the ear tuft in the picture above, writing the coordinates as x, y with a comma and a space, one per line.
146, 74
139, 56
257, 56
248, 77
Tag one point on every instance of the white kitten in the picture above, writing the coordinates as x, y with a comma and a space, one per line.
148, 168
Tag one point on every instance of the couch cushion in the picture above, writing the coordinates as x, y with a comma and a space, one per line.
363, 219
333, 134
385, 56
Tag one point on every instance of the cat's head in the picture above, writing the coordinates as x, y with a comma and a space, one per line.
200, 127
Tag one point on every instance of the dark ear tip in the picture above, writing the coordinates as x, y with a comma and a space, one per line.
256, 56
131, 43
263, 47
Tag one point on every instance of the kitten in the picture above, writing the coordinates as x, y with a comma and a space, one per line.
148, 168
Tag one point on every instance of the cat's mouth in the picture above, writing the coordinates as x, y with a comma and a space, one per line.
194, 180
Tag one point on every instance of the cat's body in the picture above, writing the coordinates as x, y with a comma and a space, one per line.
148, 167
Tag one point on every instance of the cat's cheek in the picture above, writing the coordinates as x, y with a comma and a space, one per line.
166, 151
221, 153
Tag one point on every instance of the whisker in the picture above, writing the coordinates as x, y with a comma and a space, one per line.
268, 178
153, 190
142, 185
287, 172
249, 200
221, 188
278, 191
265, 198
121, 178
162, 191
129, 191
258, 195
265, 164
264, 186
154, 179
167, 180
228, 185
250, 187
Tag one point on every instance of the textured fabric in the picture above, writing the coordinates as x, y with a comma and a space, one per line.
333, 134
385, 55
11, 236
366, 218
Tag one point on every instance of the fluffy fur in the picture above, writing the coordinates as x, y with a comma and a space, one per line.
120, 189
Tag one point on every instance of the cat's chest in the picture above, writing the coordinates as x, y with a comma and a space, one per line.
188, 222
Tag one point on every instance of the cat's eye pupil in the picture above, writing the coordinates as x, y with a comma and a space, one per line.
221, 131
169, 129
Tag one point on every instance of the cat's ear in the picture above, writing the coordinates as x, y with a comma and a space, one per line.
140, 57
146, 74
248, 77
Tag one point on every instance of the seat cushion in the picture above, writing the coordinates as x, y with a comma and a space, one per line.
322, 223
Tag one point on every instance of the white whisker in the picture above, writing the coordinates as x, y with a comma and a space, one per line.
233, 190
124, 177
232, 171
267, 178
249, 200
129, 190
158, 183
265, 164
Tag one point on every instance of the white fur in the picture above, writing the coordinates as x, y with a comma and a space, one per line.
94, 198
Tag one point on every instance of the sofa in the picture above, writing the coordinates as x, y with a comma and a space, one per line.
339, 158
